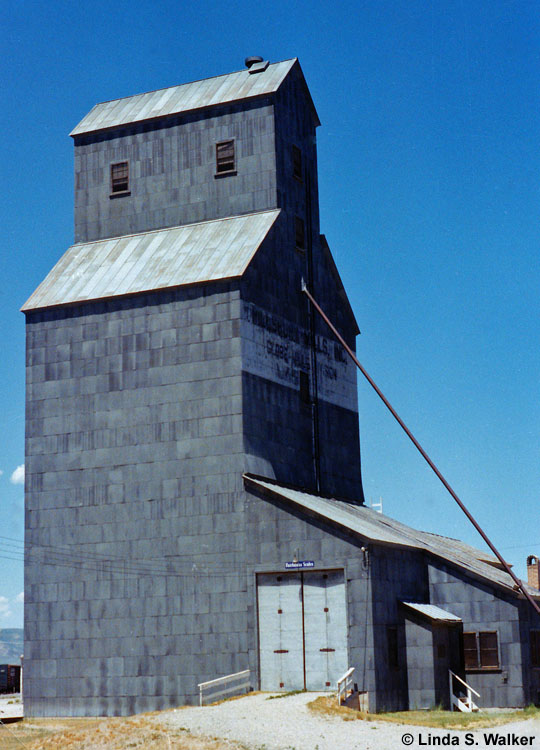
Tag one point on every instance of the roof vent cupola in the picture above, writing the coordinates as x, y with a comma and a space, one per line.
256, 64
249, 61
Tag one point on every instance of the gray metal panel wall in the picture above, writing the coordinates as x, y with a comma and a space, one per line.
134, 504
274, 533
397, 575
278, 427
421, 672
483, 608
172, 165
295, 126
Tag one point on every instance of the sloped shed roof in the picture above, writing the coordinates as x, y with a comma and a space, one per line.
376, 527
432, 612
187, 97
160, 259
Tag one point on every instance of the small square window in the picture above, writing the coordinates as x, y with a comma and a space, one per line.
299, 233
120, 177
489, 650
224, 157
297, 163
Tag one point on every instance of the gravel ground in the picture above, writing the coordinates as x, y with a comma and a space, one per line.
10, 706
287, 724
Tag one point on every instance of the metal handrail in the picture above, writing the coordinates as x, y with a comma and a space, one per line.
344, 683
223, 681
464, 683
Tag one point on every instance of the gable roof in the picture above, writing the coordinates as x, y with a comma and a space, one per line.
382, 529
160, 259
187, 97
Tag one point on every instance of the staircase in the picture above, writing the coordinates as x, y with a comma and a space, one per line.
461, 702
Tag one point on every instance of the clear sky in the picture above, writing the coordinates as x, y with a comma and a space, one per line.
429, 175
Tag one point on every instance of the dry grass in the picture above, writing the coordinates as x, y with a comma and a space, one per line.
137, 732
327, 706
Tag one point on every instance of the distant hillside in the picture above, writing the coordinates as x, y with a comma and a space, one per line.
11, 645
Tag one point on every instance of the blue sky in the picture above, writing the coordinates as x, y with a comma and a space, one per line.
429, 175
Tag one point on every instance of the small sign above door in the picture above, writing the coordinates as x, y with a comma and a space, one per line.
300, 565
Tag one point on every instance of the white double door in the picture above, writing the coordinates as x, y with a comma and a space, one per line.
302, 630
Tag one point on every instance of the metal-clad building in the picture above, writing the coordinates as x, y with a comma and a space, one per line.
194, 503
10, 678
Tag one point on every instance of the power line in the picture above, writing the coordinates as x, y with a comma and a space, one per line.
64, 556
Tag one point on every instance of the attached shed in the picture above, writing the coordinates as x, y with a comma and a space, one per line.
415, 604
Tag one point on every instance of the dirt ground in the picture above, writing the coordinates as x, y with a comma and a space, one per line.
103, 734
257, 722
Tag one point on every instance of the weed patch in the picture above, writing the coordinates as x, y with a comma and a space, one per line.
327, 706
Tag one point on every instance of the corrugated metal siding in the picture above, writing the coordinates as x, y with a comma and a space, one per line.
160, 259
378, 528
184, 98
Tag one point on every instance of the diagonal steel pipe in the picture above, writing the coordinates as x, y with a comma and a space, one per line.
517, 581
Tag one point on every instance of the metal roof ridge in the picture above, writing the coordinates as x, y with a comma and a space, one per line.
187, 83
122, 102
175, 226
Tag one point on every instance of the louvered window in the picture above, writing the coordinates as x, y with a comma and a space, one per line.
224, 157
120, 177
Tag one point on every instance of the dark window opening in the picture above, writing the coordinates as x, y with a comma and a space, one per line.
120, 177
297, 163
489, 650
535, 648
304, 387
299, 233
224, 157
481, 650
392, 645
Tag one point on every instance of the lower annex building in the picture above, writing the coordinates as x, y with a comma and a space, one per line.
194, 502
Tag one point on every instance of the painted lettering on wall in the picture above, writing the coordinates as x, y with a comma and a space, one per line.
278, 350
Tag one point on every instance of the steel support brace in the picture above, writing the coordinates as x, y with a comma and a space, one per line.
519, 584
